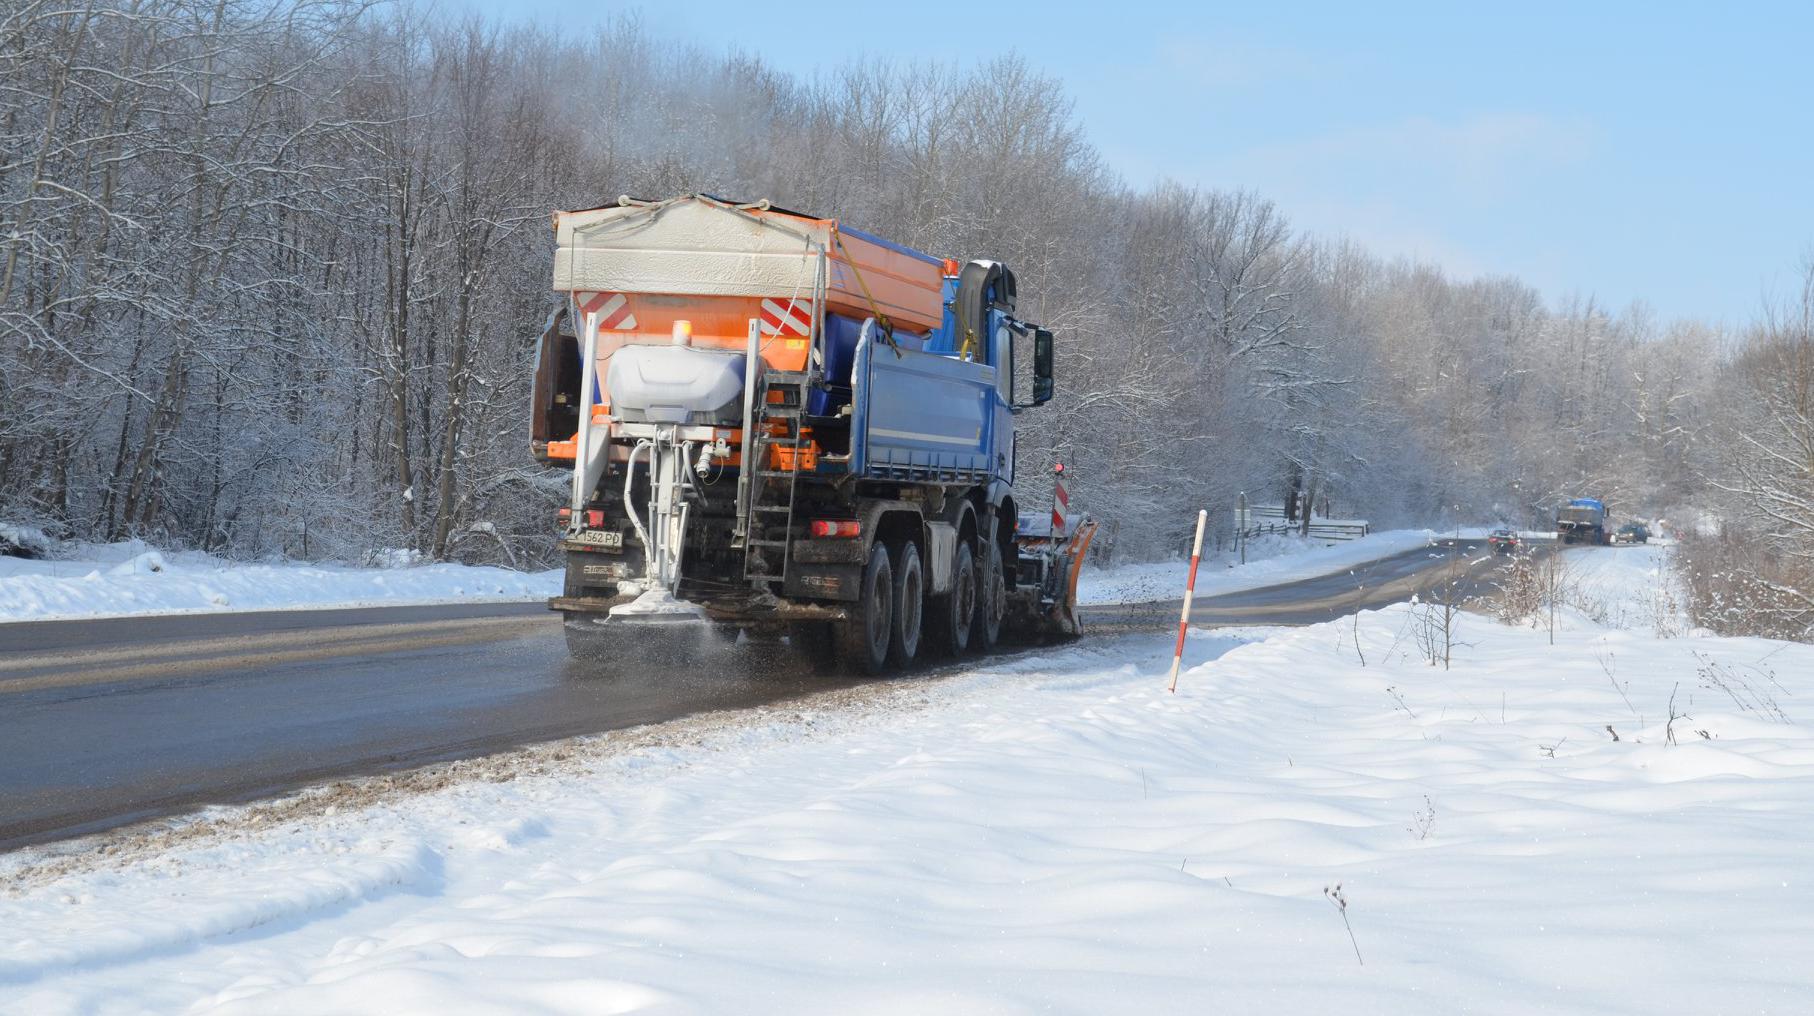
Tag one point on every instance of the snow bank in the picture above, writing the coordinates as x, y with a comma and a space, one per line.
133, 578
1271, 560
1630, 586
1054, 833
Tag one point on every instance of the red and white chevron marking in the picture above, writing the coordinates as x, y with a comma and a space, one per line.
1061, 506
612, 309
793, 317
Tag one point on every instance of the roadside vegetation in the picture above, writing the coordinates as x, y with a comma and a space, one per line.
1752, 571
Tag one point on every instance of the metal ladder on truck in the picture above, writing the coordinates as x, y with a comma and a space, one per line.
778, 417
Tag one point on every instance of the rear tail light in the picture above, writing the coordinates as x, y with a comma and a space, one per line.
595, 519
837, 527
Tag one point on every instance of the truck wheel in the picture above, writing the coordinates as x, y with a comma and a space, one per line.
952, 616
909, 605
863, 637
991, 601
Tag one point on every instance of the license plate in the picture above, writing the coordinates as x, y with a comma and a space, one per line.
601, 538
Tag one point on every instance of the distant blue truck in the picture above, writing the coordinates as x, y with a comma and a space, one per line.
779, 424
1582, 520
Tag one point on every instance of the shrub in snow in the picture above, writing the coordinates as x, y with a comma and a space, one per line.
24, 541
1423, 820
149, 563
391, 557
1753, 692
1534, 590
1340, 903
1740, 583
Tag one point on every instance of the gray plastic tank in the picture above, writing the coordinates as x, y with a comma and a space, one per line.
676, 384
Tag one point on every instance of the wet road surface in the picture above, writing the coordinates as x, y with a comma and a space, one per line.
1466, 565
107, 722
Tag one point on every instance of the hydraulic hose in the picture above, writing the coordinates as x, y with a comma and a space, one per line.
630, 504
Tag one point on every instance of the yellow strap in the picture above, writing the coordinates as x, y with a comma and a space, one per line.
881, 318
966, 348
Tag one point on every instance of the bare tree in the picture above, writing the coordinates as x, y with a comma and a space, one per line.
270, 273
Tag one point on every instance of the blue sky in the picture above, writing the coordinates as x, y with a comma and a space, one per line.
1659, 152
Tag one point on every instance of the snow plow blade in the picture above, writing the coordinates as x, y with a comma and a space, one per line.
1047, 609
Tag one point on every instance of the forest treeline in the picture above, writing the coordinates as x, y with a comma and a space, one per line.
273, 271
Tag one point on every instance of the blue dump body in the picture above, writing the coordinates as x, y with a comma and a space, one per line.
1588, 502
924, 413
841, 334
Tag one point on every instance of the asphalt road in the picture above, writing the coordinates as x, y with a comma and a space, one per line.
1465, 566
107, 722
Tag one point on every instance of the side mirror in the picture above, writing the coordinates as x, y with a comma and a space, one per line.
1044, 355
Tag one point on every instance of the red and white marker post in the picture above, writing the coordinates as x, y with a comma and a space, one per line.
1190, 589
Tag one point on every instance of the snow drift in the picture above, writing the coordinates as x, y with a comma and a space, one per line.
102, 580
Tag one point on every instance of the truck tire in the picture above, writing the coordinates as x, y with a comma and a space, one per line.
950, 618
909, 605
991, 601
863, 637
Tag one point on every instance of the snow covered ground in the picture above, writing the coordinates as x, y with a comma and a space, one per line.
101, 580
1052, 832
1628, 586
1270, 560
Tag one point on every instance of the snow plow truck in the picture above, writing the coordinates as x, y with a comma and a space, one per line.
1582, 520
780, 425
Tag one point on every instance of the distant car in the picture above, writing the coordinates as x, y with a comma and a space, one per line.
1631, 532
1503, 541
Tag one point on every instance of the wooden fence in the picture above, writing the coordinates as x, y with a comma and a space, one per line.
1262, 519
